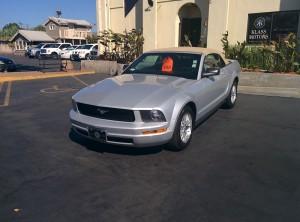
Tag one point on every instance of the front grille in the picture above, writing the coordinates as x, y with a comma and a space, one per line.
123, 115
43, 50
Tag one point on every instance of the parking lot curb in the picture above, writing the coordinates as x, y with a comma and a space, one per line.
270, 91
270, 84
21, 76
280, 80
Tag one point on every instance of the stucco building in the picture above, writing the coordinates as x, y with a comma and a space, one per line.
169, 23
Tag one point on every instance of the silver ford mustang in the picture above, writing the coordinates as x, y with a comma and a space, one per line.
159, 98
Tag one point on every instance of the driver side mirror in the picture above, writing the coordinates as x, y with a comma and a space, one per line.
211, 72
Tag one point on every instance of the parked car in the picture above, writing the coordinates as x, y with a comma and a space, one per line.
158, 99
34, 52
53, 50
67, 53
87, 51
7, 65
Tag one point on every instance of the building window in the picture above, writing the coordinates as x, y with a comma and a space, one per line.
51, 27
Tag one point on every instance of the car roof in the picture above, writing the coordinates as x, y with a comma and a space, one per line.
195, 50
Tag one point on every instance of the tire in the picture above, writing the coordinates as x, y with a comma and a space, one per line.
54, 55
183, 132
37, 55
232, 96
87, 57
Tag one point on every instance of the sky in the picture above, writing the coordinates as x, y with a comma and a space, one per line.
34, 12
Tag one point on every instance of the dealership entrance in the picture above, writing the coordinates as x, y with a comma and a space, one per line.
190, 25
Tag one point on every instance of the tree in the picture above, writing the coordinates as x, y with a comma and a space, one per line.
9, 30
39, 28
93, 38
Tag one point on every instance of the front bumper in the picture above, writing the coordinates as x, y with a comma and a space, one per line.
122, 133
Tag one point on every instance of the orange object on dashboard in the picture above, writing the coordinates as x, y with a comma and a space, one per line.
167, 65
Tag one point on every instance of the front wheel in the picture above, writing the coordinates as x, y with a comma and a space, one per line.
37, 55
87, 57
183, 132
232, 97
54, 55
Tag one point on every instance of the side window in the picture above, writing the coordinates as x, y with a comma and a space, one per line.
221, 62
64, 46
213, 61
210, 61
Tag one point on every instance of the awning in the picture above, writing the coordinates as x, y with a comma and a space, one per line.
129, 4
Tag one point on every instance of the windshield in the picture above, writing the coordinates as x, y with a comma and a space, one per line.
70, 48
39, 46
182, 65
52, 45
85, 47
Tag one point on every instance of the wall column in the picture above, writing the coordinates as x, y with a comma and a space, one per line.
102, 12
217, 25
150, 25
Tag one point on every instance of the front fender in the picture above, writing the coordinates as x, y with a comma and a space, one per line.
179, 103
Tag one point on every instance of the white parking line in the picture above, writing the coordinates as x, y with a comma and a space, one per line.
79, 80
7, 95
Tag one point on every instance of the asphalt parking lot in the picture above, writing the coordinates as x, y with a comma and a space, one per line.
242, 165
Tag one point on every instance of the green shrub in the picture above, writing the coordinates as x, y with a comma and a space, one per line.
278, 56
121, 47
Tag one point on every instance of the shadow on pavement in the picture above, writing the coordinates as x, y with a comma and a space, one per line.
108, 148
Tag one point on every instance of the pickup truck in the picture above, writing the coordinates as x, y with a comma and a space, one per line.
53, 50
87, 52
159, 98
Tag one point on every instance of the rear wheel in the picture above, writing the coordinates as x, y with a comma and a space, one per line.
183, 130
232, 97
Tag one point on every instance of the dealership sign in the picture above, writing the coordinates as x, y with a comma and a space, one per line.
259, 27
264, 27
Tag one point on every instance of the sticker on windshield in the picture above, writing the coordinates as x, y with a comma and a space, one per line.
167, 65
194, 63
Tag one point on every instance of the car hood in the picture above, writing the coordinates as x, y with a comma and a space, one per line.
132, 91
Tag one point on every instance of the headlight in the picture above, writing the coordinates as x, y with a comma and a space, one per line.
152, 116
74, 105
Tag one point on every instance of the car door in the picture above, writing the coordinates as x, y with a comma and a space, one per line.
210, 89
204, 89
219, 82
